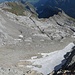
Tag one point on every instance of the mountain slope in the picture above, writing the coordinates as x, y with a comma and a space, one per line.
51, 7
68, 6
26, 36
50, 61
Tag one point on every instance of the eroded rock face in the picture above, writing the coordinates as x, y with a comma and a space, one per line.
54, 28
70, 60
69, 66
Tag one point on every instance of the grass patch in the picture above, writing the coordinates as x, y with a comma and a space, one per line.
16, 8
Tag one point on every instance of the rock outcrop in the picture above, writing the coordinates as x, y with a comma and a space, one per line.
69, 66
55, 28
70, 60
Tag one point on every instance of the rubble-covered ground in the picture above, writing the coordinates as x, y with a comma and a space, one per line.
28, 37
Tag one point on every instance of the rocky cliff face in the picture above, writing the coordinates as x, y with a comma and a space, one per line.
70, 60
69, 66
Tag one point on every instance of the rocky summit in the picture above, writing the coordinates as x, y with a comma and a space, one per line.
30, 45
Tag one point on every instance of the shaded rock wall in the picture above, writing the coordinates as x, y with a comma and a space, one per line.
69, 66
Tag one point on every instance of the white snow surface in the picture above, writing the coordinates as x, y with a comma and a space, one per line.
49, 60
21, 36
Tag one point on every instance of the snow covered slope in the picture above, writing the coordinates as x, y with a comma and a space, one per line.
49, 61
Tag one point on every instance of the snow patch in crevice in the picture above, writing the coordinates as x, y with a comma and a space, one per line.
20, 36
34, 57
49, 60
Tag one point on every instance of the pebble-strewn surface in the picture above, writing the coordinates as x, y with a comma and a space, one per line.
22, 37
